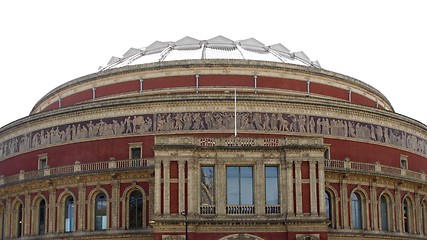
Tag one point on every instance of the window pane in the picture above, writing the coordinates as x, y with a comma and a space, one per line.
356, 211
42, 217
239, 186
69, 214
232, 190
246, 191
384, 214
100, 212
135, 153
135, 210
207, 181
271, 186
328, 206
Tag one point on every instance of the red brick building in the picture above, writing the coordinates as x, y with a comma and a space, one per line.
213, 139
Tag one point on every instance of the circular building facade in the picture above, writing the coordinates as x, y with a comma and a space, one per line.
213, 139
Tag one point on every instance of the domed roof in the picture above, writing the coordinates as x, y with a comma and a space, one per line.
215, 48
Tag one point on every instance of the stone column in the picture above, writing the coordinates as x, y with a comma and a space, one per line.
298, 188
115, 204
7, 217
290, 188
283, 185
193, 186
374, 206
417, 219
220, 187
398, 209
166, 187
344, 204
313, 189
259, 190
52, 210
27, 214
181, 185
157, 187
81, 220
321, 182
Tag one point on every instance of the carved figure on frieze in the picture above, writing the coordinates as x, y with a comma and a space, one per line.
118, 128
148, 125
36, 140
137, 121
91, 130
293, 123
128, 123
325, 126
187, 121
373, 136
161, 122
283, 123
386, 139
198, 124
351, 129
228, 123
319, 126
178, 121
404, 140
219, 121
209, 120
273, 122
45, 138
257, 121
67, 136
74, 132
245, 122
170, 123
301, 123
312, 126
266, 122
379, 131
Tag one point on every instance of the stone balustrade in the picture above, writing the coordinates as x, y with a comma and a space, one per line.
77, 167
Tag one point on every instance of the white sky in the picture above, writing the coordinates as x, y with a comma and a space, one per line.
46, 43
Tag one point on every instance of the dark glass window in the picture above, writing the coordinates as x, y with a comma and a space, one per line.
19, 222
328, 206
69, 214
384, 213
356, 211
100, 212
271, 185
240, 186
406, 216
135, 153
42, 217
135, 209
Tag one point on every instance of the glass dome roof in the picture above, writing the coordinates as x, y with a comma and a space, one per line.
218, 47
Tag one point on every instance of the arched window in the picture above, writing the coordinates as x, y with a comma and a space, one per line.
69, 214
135, 210
101, 212
42, 217
384, 213
328, 205
407, 215
19, 221
356, 211
423, 217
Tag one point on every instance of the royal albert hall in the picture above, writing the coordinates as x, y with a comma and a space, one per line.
213, 139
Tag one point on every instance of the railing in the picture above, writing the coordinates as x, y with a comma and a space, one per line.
240, 209
207, 209
272, 209
377, 168
77, 167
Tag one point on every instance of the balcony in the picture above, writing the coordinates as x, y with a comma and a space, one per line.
374, 169
78, 168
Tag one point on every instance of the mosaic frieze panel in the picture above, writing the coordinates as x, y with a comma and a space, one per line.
201, 121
